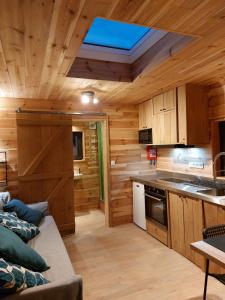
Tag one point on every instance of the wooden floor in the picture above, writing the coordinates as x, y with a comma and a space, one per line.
126, 263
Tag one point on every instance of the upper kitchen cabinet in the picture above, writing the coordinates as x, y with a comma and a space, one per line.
165, 118
193, 125
164, 102
145, 115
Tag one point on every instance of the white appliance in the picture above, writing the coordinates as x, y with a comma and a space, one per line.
139, 205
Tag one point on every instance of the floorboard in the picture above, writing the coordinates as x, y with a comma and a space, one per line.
126, 263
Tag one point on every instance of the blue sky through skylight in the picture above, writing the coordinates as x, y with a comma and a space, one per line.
114, 34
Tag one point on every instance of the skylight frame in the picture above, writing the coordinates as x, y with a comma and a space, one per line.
122, 56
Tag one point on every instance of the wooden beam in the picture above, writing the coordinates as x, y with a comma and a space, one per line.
100, 70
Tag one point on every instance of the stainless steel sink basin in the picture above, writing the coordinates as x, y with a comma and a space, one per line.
174, 180
213, 192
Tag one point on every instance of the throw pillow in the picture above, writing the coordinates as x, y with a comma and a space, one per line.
24, 212
14, 250
4, 199
14, 278
23, 229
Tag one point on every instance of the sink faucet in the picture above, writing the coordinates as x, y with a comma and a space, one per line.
214, 163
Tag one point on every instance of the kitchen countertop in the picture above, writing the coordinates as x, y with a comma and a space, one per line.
155, 180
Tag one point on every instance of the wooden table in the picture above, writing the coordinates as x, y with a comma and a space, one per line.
210, 252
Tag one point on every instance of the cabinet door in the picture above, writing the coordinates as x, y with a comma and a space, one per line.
182, 115
170, 127
142, 121
177, 223
169, 100
158, 129
148, 113
158, 104
193, 227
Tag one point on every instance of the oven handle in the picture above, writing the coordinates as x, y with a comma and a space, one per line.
157, 199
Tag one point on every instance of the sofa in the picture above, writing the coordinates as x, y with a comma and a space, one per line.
64, 283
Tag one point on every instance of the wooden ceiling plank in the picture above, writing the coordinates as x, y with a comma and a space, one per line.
37, 16
12, 37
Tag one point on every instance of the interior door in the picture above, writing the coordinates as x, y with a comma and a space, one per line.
45, 164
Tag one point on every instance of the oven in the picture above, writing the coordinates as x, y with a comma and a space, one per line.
156, 205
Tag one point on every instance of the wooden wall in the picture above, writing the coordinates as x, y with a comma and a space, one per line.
86, 188
176, 160
130, 157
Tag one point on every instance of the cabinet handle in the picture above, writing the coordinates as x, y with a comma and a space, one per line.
137, 185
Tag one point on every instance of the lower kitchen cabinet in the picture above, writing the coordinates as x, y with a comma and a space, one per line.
186, 225
157, 232
176, 210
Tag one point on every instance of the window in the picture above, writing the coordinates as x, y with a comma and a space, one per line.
114, 34
78, 145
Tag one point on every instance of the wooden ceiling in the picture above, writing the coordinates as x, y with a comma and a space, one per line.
39, 40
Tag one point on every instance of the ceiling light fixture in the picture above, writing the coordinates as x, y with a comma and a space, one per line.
88, 96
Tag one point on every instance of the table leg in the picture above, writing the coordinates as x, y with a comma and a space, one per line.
206, 278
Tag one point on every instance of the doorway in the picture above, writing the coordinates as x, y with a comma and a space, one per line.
91, 166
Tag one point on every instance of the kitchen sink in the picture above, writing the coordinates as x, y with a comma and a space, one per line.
213, 192
174, 180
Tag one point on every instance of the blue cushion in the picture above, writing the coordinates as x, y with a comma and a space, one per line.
26, 231
14, 278
14, 250
24, 212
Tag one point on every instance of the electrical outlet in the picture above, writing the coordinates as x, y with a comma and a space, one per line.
196, 164
113, 162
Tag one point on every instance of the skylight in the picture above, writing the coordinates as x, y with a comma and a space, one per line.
114, 34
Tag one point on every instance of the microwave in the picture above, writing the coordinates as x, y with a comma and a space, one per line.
145, 136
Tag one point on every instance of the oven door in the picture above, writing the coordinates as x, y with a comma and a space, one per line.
155, 209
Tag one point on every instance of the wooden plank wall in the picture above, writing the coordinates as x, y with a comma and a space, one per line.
130, 157
86, 188
176, 160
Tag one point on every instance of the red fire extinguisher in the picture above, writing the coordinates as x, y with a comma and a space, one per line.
151, 155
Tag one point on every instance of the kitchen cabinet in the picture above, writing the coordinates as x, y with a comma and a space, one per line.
176, 212
145, 115
157, 232
164, 102
193, 125
139, 205
186, 223
165, 118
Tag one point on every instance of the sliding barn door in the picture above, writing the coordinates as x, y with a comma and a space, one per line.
45, 164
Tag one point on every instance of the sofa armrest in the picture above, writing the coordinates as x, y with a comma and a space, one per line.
70, 289
42, 206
